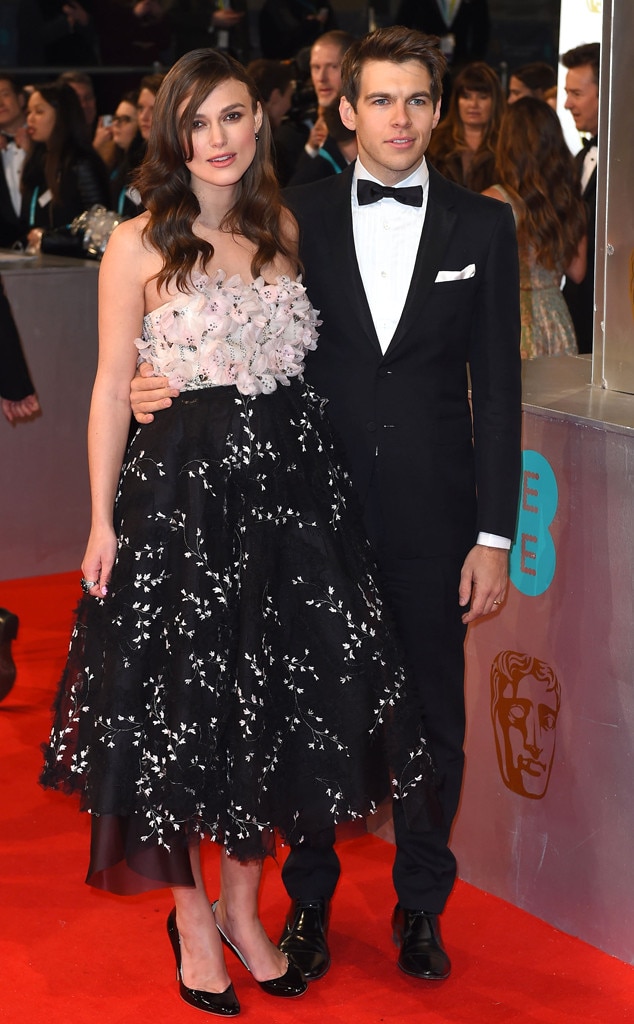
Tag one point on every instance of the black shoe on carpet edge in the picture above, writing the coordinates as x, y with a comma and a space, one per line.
304, 937
422, 954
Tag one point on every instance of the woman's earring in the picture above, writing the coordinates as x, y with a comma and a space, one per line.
257, 136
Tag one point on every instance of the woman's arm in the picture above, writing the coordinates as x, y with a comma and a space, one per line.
576, 269
121, 308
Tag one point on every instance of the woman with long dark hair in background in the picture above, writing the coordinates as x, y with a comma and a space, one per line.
128, 154
63, 176
462, 147
537, 175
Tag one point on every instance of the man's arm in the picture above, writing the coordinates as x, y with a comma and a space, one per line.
149, 394
483, 581
496, 389
496, 401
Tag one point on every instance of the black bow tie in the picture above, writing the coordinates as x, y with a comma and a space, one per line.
371, 192
9, 138
589, 143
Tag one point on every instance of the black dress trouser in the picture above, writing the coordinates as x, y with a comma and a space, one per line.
422, 594
15, 380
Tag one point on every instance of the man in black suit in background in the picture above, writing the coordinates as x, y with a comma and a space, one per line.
462, 25
13, 143
17, 393
582, 100
408, 295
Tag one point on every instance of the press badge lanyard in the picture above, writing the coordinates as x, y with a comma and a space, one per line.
330, 159
36, 193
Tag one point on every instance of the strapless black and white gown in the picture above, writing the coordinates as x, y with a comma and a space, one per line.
240, 677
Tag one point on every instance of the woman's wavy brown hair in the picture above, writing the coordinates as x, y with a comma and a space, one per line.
448, 139
538, 171
164, 181
67, 144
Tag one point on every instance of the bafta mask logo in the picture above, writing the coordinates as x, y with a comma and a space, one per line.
595, 6
525, 702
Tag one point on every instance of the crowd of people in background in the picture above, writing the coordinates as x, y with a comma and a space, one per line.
63, 151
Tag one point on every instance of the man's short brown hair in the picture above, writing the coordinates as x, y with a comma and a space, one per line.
587, 53
398, 45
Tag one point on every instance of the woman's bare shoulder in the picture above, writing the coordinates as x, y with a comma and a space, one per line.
130, 234
129, 247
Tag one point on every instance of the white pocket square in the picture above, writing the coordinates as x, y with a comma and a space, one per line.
456, 275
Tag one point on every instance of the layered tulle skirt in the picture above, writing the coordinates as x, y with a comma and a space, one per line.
240, 678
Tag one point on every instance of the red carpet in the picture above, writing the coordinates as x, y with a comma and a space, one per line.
70, 955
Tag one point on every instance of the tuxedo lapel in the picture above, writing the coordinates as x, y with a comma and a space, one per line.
590, 191
440, 219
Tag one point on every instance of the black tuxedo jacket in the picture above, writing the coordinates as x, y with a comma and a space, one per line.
11, 228
470, 27
15, 380
580, 297
404, 417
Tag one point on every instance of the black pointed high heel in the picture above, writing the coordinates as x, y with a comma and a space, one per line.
290, 985
223, 1004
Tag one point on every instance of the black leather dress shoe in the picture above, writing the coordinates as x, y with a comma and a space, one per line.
304, 937
8, 633
422, 954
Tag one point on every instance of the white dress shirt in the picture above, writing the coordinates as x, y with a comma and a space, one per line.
386, 239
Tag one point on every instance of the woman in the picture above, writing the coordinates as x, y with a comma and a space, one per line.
129, 152
62, 175
462, 147
534, 79
236, 664
145, 103
536, 174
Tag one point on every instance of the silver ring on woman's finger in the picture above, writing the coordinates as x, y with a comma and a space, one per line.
497, 602
87, 585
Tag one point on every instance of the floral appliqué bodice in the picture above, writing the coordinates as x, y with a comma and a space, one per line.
254, 336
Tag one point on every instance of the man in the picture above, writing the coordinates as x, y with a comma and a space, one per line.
326, 56
582, 100
275, 83
17, 394
83, 86
18, 400
13, 144
408, 295
8, 633
462, 25
293, 139
287, 26
325, 66
223, 25
534, 79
